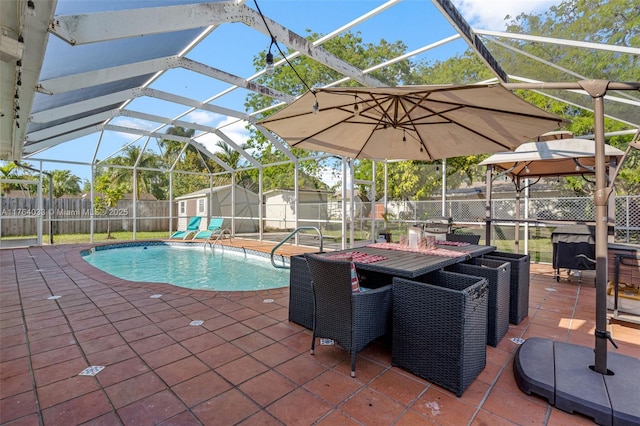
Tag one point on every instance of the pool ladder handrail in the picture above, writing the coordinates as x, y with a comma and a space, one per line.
218, 236
301, 228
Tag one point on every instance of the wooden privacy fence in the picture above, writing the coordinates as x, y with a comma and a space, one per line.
73, 216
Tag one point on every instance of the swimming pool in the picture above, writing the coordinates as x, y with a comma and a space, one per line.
187, 266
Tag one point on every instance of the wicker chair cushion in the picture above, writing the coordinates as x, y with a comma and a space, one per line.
355, 282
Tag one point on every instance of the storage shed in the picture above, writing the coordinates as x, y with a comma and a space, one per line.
280, 211
216, 202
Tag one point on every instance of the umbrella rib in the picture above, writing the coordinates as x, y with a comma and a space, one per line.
418, 137
324, 129
480, 134
375, 128
364, 145
412, 123
457, 106
442, 115
385, 118
420, 141
417, 103
395, 119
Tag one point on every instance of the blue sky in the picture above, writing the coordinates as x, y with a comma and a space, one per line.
232, 48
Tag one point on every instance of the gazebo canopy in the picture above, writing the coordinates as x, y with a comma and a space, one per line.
561, 157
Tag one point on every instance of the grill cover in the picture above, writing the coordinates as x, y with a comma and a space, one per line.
574, 247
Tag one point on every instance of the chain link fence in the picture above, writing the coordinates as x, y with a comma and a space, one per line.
570, 209
541, 216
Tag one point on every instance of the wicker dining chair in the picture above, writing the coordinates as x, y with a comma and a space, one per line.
464, 238
351, 319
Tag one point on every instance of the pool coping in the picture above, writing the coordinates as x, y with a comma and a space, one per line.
137, 243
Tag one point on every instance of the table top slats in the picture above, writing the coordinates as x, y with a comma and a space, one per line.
411, 264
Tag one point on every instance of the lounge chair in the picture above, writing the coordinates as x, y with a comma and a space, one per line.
215, 226
192, 227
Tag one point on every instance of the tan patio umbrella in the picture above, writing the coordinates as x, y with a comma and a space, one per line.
410, 122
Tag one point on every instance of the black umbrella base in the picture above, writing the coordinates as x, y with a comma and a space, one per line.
560, 372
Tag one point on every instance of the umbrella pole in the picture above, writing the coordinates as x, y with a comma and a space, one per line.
516, 237
487, 206
600, 197
548, 368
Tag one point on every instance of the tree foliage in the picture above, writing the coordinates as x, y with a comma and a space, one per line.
464, 68
8, 170
64, 183
110, 193
612, 22
147, 181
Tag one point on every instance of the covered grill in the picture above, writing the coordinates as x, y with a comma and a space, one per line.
438, 225
574, 248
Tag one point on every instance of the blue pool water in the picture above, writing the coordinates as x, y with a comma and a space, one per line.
190, 267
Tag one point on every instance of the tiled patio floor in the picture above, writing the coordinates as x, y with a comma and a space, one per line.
246, 364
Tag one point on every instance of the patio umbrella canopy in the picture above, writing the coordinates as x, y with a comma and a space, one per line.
410, 122
563, 157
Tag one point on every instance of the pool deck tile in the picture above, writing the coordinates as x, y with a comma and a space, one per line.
246, 364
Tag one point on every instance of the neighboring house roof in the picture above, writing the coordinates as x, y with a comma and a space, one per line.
306, 191
205, 191
16, 193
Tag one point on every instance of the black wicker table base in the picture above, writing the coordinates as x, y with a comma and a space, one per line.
560, 372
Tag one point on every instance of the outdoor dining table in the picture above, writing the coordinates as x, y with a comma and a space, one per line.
411, 264
388, 264
456, 306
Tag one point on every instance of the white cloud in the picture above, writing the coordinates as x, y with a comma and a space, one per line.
204, 118
490, 15
235, 131
132, 123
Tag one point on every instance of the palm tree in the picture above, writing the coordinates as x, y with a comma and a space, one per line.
64, 183
11, 170
191, 160
172, 148
230, 155
234, 159
147, 180
8, 171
